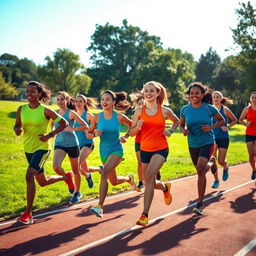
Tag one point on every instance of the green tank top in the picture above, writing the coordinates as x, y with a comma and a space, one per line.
34, 123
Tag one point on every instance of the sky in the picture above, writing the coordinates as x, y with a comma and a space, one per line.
37, 28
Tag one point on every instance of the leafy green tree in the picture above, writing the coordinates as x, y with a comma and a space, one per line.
171, 67
17, 71
7, 91
228, 79
117, 55
206, 66
62, 71
244, 36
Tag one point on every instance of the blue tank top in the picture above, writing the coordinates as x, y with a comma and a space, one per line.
66, 139
81, 136
218, 133
109, 139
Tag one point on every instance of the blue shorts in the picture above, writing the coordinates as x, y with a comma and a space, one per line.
146, 156
250, 138
204, 151
37, 159
73, 152
222, 143
89, 145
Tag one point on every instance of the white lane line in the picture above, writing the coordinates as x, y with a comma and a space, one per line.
247, 248
86, 203
107, 238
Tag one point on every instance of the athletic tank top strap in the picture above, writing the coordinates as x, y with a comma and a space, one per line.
109, 139
81, 136
34, 123
218, 133
64, 138
152, 137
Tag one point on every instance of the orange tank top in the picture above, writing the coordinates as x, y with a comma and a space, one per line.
251, 117
152, 137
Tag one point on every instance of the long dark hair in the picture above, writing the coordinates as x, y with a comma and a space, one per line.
120, 98
207, 98
45, 92
89, 102
70, 100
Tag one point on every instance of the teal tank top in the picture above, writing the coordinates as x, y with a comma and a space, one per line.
66, 139
109, 139
81, 136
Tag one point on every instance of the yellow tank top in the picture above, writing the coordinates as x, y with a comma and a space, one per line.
34, 123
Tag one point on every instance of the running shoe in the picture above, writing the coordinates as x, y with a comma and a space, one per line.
69, 182
214, 167
253, 177
26, 218
225, 174
158, 176
167, 194
216, 184
76, 197
132, 182
143, 221
198, 209
89, 180
139, 187
97, 210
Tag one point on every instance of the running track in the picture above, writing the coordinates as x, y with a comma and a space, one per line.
227, 228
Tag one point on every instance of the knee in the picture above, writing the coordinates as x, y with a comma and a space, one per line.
30, 175
149, 177
200, 170
104, 174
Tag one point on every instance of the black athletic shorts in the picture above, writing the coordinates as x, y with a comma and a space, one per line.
204, 151
250, 138
73, 152
37, 159
146, 156
222, 143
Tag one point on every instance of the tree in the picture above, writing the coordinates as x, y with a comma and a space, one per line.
206, 66
117, 54
228, 79
17, 71
244, 36
7, 91
61, 72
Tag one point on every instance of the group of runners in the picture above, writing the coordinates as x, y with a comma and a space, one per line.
205, 120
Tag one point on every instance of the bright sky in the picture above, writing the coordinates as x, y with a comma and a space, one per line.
36, 28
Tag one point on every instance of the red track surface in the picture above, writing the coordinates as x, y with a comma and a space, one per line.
228, 225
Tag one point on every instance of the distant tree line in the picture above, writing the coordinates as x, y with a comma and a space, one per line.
125, 57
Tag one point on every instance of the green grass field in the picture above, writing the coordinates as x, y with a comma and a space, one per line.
13, 166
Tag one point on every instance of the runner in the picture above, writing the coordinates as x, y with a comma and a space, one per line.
249, 113
149, 120
221, 134
66, 142
196, 116
83, 104
108, 124
137, 101
33, 119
